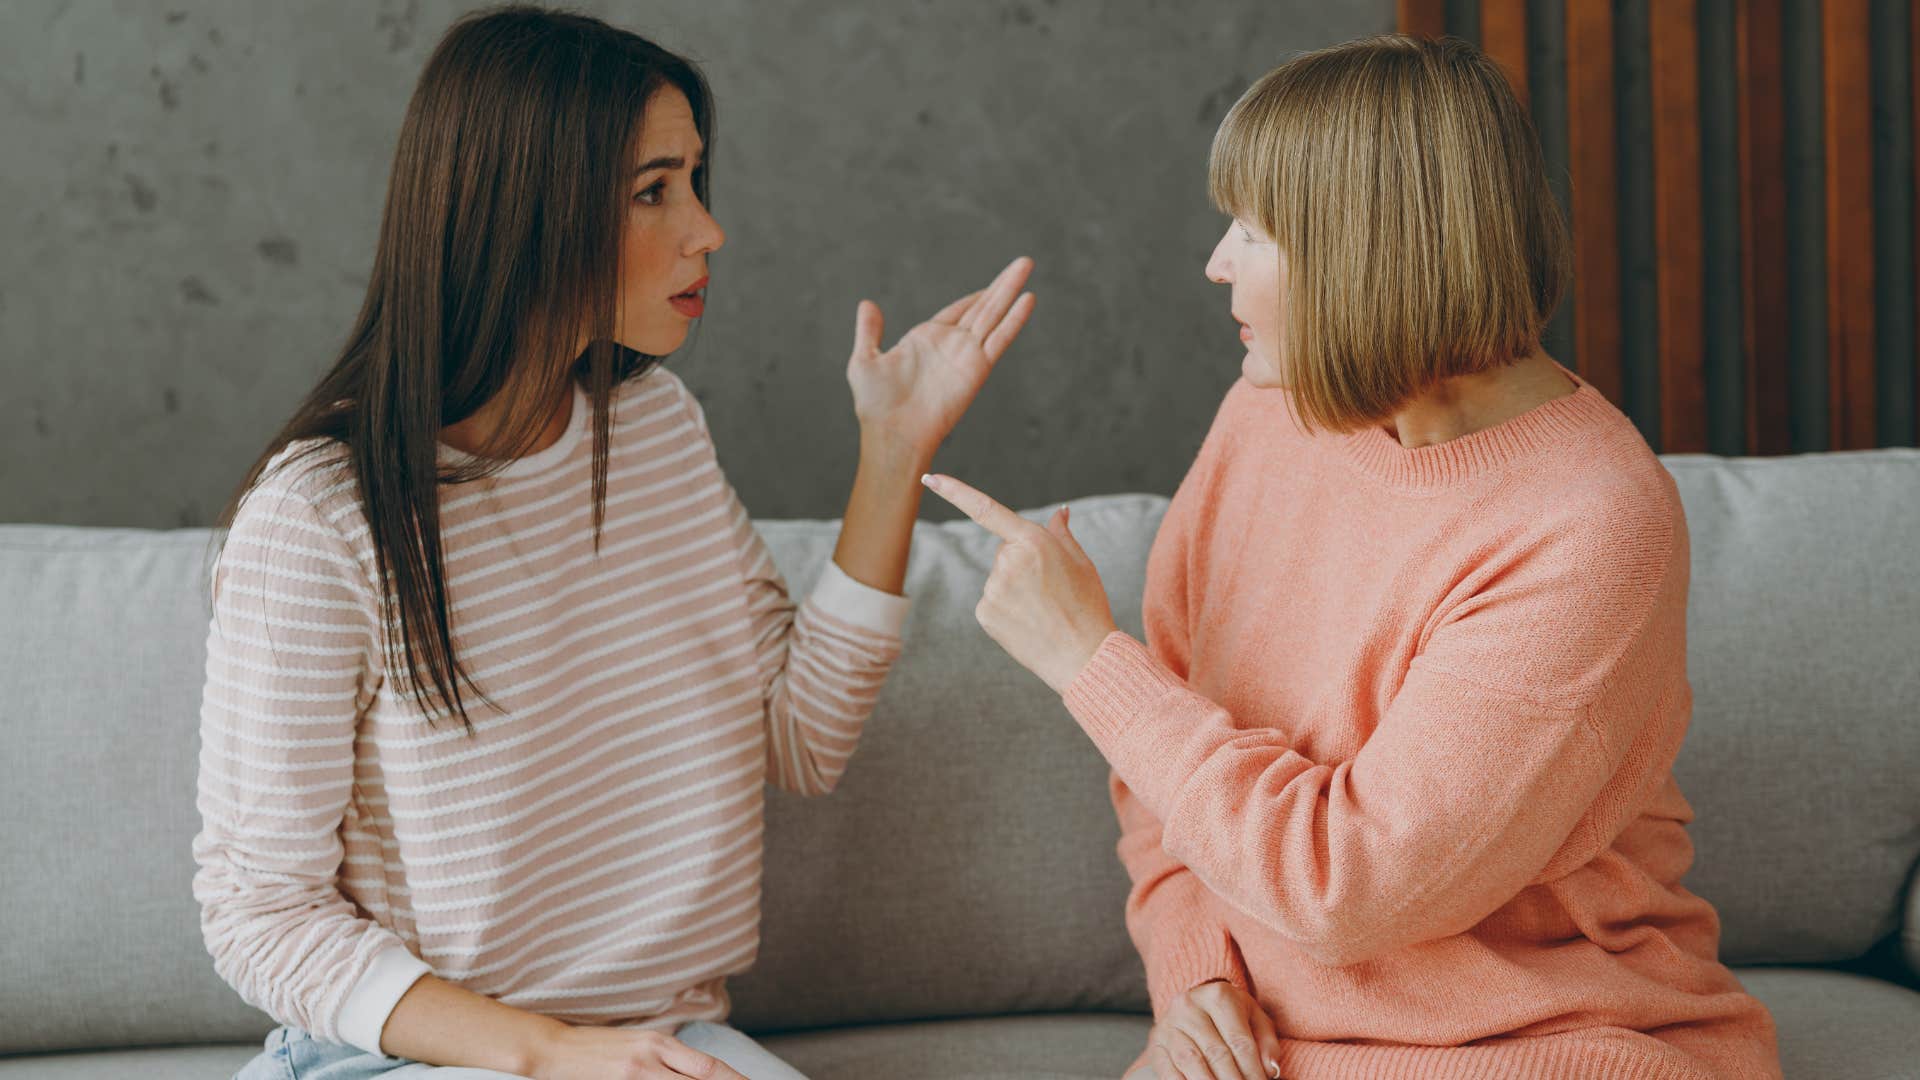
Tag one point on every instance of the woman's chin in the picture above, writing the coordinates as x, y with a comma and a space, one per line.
1259, 373
657, 342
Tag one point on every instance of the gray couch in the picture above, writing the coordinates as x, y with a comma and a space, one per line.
982, 934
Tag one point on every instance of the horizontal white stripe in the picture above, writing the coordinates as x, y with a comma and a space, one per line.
540, 902
721, 736
414, 746
256, 692
495, 895
671, 979
515, 537
621, 916
297, 600
568, 646
609, 555
491, 849
497, 825
236, 635
210, 723
745, 931
624, 599
273, 765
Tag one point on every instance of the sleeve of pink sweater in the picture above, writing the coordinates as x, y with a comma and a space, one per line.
290, 652
1508, 724
821, 664
1169, 914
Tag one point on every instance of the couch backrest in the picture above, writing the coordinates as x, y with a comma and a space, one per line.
966, 864
1803, 648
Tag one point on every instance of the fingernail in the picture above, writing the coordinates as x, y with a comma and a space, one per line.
1273, 1069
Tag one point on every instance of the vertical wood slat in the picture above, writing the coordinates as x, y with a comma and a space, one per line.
1845, 47
1679, 255
1760, 69
1595, 178
1423, 18
1503, 36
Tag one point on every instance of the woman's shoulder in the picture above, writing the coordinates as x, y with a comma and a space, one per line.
310, 480
659, 396
1609, 482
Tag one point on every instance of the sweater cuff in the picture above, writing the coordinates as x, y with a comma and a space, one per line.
864, 606
1114, 698
372, 1000
1199, 953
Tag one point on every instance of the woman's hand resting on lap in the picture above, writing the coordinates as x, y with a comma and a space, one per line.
600, 1053
1214, 1031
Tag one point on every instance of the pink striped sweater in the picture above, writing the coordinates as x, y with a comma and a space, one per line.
593, 852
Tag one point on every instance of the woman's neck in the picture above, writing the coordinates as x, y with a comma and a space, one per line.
469, 435
1468, 403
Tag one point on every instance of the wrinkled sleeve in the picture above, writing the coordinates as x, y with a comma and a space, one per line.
821, 663
290, 649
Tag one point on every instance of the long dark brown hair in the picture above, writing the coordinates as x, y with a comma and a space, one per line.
498, 253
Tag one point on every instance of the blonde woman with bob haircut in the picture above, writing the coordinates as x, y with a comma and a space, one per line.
1393, 765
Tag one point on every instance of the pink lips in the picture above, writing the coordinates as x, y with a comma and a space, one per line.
690, 303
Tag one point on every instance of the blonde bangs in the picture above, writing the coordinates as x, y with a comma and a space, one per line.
1241, 165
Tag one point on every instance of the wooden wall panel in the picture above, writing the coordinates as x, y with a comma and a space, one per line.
1595, 178
1848, 103
1423, 18
1674, 44
1760, 71
1503, 35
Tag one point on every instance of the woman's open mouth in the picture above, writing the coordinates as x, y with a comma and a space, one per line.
690, 303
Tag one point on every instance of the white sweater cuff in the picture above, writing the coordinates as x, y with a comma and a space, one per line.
380, 988
862, 605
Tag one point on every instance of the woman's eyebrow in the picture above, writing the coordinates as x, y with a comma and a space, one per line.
675, 162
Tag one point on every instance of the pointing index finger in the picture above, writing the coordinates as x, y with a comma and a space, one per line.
981, 507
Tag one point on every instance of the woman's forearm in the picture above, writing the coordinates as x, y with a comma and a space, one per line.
443, 1024
877, 530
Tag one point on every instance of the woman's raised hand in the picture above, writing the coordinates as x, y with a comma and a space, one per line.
914, 393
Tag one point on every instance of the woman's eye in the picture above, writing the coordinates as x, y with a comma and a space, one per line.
1248, 234
650, 195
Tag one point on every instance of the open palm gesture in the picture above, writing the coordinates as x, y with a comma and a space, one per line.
916, 391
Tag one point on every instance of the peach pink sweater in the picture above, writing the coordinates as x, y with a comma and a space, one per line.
1396, 755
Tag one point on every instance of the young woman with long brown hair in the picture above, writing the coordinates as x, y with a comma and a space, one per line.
498, 667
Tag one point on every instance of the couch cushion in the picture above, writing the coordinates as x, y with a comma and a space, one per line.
1803, 648
1837, 1026
965, 866
1088, 1046
104, 644
159, 1063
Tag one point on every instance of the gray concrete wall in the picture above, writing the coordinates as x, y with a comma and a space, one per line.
192, 192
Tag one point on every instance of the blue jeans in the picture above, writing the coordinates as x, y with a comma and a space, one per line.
292, 1054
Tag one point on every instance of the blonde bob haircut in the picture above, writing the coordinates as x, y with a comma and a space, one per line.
1404, 183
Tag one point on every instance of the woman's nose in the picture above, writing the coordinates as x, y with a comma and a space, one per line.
707, 236
1219, 269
